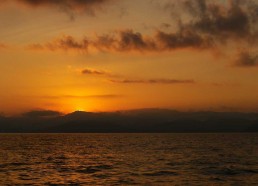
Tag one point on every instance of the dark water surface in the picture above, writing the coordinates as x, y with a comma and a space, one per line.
129, 159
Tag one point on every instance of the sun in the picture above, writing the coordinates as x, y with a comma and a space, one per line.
80, 109
72, 105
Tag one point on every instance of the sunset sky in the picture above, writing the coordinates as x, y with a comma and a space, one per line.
107, 55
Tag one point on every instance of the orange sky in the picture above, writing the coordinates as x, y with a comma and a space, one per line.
106, 55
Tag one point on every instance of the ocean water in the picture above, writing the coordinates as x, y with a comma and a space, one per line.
129, 159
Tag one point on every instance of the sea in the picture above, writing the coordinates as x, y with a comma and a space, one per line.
129, 159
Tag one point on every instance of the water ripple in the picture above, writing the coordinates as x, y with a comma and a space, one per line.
129, 159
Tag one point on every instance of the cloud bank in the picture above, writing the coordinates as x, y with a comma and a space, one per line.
235, 19
210, 25
128, 40
42, 113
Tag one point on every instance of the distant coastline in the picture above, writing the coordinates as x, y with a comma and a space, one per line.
134, 121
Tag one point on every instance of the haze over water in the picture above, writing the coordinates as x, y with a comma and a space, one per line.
128, 159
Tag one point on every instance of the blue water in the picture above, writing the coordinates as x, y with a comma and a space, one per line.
129, 159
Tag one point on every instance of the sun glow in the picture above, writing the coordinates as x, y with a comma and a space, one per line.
79, 105
80, 109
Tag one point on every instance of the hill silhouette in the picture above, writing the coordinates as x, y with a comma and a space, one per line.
143, 120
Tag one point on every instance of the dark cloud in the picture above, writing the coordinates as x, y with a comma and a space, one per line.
128, 40
124, 40
246, 59
232, 20
153, 81
67, 43
235, 21
70, 3
42, 113
102, 73
69, 6
210, 25
64, 43
104, 42
182, 39
95, 72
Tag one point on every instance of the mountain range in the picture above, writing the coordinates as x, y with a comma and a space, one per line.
132, 121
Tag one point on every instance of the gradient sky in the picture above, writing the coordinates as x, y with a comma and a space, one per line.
106, 55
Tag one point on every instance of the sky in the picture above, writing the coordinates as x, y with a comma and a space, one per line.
108, 55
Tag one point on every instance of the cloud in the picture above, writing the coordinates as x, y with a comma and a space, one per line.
67, 43
154, 81
125, 80
246, 59
63, 43
103, 96
235, 19
70, 3
182, 39
128, 40
42, 113
69, 6
209, 25
95, 72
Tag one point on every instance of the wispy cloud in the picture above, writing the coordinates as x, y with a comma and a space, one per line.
95, 72
154, 81
100, 73
102, 96
246, 59
126, 80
